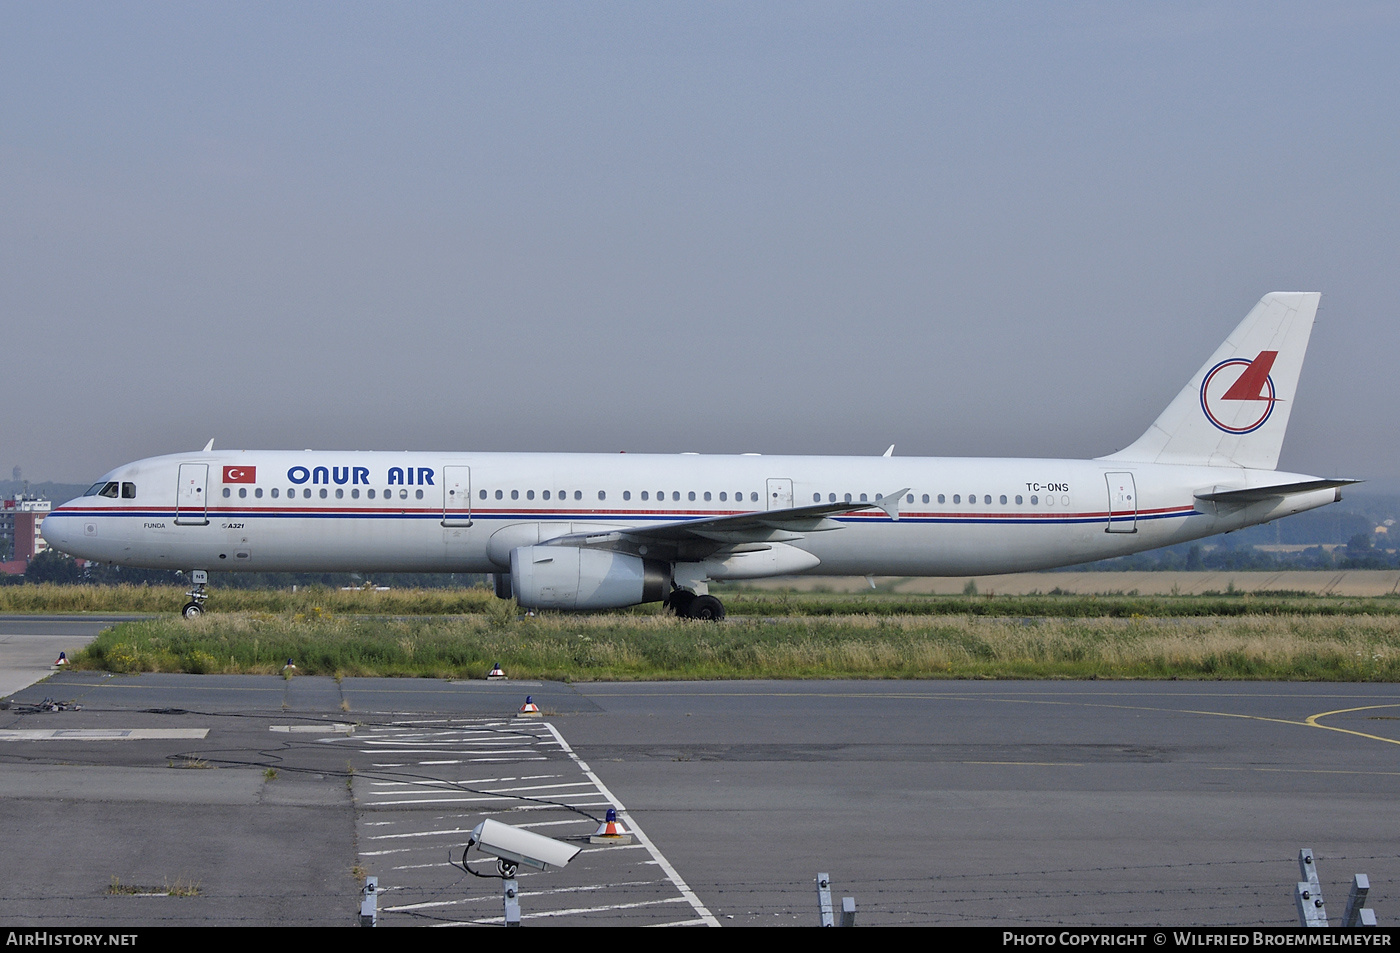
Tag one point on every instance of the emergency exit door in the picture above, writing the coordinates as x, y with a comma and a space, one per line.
456, 496
779, 494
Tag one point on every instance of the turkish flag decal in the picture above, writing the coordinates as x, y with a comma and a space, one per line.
240, 474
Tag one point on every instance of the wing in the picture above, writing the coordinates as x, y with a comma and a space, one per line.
697, 539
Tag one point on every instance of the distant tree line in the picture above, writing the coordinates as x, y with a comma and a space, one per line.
1360, 552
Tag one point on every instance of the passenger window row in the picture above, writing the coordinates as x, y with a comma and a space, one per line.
645, 496
323, 493
972, 499
128, 491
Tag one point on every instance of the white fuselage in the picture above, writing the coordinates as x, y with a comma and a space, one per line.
598, 531
464, 512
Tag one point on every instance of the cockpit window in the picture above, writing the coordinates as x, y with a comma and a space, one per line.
112, 490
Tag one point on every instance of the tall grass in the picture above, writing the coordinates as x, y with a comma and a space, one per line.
126, 598
629, 647
168, 599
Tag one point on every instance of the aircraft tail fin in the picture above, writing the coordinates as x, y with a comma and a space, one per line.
1235, 409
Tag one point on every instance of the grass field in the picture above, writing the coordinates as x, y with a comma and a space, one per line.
609, 646
769, 634
738, 601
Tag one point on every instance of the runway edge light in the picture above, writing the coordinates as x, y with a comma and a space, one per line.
611, 831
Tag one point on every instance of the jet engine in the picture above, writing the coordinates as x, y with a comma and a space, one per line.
568, 577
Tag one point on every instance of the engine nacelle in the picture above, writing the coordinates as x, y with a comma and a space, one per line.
567, 577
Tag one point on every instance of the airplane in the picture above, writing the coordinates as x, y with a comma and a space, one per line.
604, 531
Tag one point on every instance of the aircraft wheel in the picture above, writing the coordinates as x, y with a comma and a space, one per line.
680, 602
706, 607
192, 610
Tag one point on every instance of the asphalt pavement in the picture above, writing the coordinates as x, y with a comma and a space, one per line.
263, 800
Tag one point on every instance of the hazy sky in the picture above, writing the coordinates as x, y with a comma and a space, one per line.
965, 229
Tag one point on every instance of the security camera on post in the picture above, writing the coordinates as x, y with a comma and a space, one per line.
512, 847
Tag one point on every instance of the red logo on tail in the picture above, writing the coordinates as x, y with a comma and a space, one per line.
1255, 378
1252, 384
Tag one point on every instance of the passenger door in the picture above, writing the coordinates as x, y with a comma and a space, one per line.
1122, 503
191, 495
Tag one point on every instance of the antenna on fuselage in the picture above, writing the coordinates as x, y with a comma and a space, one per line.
209, 446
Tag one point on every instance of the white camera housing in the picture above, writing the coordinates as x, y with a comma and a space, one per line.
515, 846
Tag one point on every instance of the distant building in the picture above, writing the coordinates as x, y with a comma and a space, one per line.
19, 530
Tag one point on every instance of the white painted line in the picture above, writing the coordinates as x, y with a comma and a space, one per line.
465, 799
555, 807
385, 853
438, 723
439, 903
586, 821
337, 728
567, 913
487, 756
398, 744
544, 787
413, 787
477, 781
636, 830
608, 848
586, 888
439, 761
101, 734
442, 833
453, 738
523, 894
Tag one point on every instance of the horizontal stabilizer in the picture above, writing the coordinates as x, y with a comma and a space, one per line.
1253, 494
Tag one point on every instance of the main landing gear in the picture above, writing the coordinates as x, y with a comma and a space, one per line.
687, 605
198, 594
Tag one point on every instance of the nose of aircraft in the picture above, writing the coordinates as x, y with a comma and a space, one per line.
56, 530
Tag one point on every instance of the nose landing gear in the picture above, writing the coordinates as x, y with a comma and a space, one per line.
198, 594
